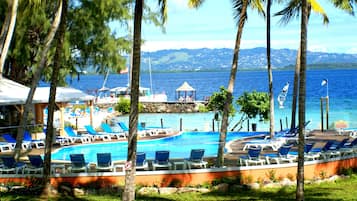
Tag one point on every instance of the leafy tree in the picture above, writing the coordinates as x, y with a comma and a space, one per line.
217, 100
123, 106
216, 103
253, 104
43, 58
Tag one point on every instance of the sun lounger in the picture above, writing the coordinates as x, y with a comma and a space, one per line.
78, 163
100, 136
108, 130
39, 144
274, 144
74, 137
161, 160
12, 141
5, 147
253, 157
141, 163
36, 164
104, 162
11, 166
281, 156
196, 159
122, 125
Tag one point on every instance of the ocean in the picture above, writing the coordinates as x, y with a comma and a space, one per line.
341, 89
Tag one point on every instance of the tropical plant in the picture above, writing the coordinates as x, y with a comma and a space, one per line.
217, 100
252, 105
123, 106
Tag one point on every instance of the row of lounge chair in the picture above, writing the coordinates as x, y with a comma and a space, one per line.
331, 149
104, 163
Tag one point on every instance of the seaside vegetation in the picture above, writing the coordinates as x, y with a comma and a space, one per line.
123, 106
340, 189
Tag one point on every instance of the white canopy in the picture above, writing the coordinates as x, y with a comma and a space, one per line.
185, 87
13, 93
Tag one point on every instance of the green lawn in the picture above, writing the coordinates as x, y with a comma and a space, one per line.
342, 189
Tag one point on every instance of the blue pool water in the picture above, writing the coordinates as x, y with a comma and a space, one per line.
179, 146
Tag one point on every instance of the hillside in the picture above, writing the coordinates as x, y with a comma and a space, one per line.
220, 59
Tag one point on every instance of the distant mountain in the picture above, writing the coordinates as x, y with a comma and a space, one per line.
221, 59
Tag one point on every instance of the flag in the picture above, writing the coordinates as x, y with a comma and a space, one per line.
324, 82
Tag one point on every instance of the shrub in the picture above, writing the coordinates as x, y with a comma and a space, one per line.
123, 106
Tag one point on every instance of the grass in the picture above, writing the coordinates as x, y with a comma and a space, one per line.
341, 189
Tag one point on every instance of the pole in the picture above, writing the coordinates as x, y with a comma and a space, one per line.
327, 110
322, 114
213, 125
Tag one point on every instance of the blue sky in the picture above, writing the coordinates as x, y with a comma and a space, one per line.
212, 26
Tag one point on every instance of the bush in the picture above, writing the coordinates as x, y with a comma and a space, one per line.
123, 106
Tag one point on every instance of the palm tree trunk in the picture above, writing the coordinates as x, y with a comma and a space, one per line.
270, 74
232, 78
302, 93
129, 189
8, 29
36, 78
50, 132
295, 91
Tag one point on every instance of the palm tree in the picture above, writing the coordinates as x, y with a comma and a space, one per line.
302, 92
52, 99
240, 8
8, 30
36, 78
300, 72
129, 189
270, 74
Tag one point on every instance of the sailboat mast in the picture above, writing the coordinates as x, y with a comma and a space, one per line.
152, 91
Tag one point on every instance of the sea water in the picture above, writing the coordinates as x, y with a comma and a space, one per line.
341, 89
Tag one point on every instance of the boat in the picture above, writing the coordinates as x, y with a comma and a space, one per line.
112, 95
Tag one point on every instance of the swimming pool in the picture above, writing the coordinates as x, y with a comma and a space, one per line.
179, 146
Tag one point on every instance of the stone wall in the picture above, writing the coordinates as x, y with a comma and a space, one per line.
171, 107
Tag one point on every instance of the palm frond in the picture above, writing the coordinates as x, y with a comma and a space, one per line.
163, 10
195, 3
291, 11
345, 5
237, 9
258, 6
317, 8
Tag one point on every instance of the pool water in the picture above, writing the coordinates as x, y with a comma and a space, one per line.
179, 146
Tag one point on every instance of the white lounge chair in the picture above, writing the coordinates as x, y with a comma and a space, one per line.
274, 144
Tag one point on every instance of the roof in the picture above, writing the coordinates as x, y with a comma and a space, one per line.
13, 93
185, 87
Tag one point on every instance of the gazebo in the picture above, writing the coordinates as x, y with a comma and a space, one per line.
186, 93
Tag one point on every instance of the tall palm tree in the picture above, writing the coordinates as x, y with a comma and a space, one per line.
8, 30
270, 74
240, 9
52, 98
36, 78
302, 92
129, 189
300, 71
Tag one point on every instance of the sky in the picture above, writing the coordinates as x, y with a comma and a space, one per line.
213, 26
